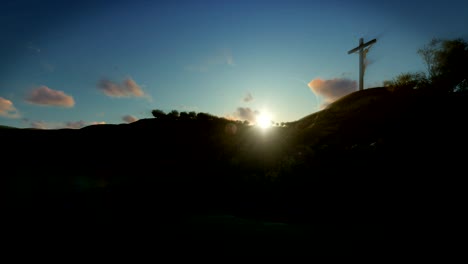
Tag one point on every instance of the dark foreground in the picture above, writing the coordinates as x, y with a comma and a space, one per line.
385, 178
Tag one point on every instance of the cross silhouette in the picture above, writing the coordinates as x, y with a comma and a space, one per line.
360, 48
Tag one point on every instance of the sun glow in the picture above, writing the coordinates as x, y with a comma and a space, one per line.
264, 120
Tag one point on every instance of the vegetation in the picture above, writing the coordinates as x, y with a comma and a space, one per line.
447, 68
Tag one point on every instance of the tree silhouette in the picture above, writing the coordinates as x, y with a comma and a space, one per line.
446, 64
192, 115
429, 56
184, 115
157, 113
174, 114
205, 116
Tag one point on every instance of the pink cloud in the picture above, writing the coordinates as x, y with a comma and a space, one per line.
98, 123
45, 96
76, 124
129, 118
7, 109
60, 125
128, 88
333, 89
81, 124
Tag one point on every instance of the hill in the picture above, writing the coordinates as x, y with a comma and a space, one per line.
370, 165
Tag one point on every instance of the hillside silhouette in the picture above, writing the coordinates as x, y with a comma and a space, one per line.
373, 164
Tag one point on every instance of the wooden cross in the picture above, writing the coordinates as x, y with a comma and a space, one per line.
360, 48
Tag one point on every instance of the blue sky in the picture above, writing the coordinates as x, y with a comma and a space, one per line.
71, 64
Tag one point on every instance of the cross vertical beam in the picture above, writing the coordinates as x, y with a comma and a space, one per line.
360, 48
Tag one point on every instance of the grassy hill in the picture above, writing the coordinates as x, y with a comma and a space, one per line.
372, 164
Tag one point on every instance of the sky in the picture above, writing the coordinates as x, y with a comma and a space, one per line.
70, 64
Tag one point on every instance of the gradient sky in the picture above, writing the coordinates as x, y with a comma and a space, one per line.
72, 64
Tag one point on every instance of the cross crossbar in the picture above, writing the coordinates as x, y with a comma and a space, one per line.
362, 46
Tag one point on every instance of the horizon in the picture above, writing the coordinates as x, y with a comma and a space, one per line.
70, 65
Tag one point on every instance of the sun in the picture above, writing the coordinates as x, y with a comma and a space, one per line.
264, 120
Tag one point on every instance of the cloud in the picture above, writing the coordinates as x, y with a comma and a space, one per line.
34, 48
244, 114
227, 57
38, 125
248, 97
47, 67
222, 57
128, 88
98, 123
129, 118
7, 109
60, 125
45, 96
333, 89
81, 124
76, 124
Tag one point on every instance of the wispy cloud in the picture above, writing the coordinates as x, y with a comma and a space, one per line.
128, 88
227, 57
7, 109
222, 57
333, 89
129, 119
45, 96
47, 67
248, 97
187, 108
33, 48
